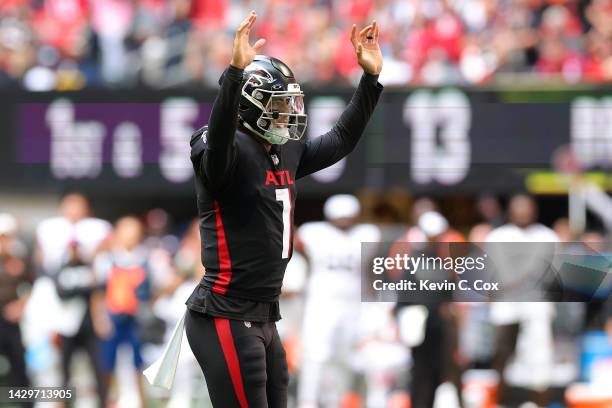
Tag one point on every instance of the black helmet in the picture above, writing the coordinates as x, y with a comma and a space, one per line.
271, 102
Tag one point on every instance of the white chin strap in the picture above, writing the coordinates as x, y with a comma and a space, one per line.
281, 132
279, 136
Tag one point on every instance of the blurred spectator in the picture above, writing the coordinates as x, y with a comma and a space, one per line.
66, 247
479, 232
70, 44
111, 21
123, 272
75, 223
157, 226
475, 330
161, 246
490, 211
187, 258
170, 306
412, 238
16, 279
436, 358
563, 229
333, 294
514, 319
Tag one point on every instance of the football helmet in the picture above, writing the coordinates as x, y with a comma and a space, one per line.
271, 101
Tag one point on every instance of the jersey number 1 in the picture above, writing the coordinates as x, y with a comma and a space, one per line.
283, 196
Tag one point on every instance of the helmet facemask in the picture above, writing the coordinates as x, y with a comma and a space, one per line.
282, 117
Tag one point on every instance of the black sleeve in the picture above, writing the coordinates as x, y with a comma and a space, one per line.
212, 147
323, 151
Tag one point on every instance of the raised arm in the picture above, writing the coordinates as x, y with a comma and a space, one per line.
212, 147
323, 151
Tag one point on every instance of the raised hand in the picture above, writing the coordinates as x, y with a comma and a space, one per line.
367, 49
243, 53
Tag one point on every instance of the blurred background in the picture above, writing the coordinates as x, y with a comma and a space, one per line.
76, 44
496, 122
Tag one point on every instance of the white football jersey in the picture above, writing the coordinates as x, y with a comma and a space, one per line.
54, 236
334, 256
511, 270
533, 233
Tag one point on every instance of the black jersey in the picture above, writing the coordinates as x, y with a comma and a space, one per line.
246, 196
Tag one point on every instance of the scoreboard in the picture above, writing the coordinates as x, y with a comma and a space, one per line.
426, 140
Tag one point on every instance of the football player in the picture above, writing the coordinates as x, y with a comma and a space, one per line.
247, 161
332, 309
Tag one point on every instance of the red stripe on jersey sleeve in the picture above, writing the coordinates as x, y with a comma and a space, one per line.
291, 224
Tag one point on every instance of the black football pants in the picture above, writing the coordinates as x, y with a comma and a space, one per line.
244, 363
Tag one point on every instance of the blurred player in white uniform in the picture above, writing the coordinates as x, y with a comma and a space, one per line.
60, 302
170, 306
333, 295
523, 328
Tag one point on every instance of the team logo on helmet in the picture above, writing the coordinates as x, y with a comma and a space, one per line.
259, 77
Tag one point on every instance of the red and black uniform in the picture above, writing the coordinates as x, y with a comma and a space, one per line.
246, 197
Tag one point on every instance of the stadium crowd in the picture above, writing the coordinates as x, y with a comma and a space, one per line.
116, 291
75, 44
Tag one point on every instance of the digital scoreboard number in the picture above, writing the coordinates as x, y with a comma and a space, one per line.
76, 139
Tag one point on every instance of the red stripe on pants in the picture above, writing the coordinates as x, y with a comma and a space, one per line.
224, 333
